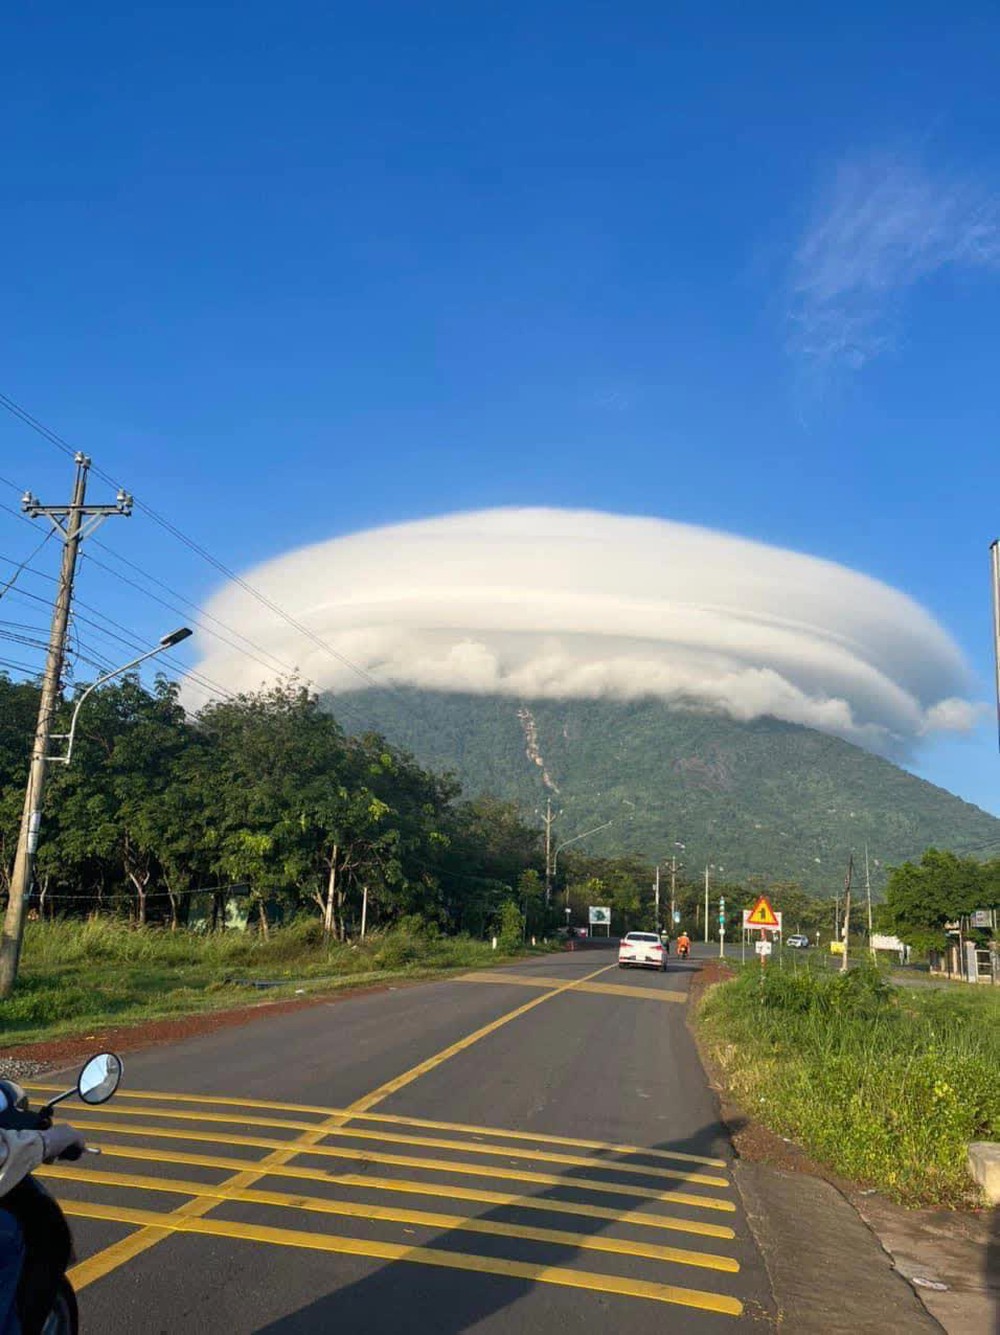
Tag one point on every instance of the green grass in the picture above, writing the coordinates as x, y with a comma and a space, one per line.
885, 1085
78, 976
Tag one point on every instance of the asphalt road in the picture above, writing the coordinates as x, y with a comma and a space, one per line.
522, 1151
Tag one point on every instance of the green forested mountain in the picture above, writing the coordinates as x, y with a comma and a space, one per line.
765, 798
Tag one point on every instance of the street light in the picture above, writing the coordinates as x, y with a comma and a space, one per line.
710, 867
168, 642
566, 843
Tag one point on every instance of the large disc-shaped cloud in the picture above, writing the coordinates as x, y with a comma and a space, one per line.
559, 603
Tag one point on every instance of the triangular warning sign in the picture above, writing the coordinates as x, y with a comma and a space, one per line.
762, 915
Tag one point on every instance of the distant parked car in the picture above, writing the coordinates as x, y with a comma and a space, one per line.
642, 950
798, 942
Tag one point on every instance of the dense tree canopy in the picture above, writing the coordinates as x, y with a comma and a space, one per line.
942, 888
162, 812
264, 791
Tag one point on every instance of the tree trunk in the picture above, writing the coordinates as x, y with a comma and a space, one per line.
43, 890
173, 905
331, 891
140, 882
262, 919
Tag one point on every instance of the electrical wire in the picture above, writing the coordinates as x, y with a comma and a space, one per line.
198, 549
24, 564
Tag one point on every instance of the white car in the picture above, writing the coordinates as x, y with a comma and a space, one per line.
642, 950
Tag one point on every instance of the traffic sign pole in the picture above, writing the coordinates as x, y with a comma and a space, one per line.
722, 927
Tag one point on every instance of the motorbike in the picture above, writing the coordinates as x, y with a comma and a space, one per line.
683, 952
46, 1302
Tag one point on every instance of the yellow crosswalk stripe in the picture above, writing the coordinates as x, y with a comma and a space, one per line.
119, 1253
498, 976
388, 1251
382, 1214
629, 990
536, 1137
449, 1190
431, 1165
395, 1138
608, 989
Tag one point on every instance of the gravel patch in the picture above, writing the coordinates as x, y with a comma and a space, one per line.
19, 1068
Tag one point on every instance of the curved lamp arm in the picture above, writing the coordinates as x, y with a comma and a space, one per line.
566, 843
167, 642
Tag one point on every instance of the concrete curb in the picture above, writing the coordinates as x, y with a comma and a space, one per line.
984, 1165
829, 1273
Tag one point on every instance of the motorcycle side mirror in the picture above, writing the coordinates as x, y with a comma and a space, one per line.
100, 1078
95, 1084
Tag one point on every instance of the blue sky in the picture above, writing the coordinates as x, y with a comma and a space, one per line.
292, 271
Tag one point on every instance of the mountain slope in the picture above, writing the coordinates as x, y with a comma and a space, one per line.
763, 798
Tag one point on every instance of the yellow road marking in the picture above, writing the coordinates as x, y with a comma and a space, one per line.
539, 1137
496, 976
103, 1262
411, 1187
420, 1218
626, 990
369, 1101
608, 989
604, 1187
432, 1142
152, 1221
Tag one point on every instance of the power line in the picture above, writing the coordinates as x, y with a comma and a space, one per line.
28, 668
209, 688
26, 562
35, 425
54, 438
283, 667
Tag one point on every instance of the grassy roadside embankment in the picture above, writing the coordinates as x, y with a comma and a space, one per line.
884, 1085
78, 976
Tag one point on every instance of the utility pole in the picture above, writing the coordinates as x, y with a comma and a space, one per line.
706, 906
547, 819
995, 581
656, 892
868, 893
73, 522
847, 910
673, 891
722, 926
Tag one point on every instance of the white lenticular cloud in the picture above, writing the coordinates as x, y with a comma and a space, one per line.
577, 604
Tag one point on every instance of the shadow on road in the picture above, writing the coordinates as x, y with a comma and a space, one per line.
402, 1297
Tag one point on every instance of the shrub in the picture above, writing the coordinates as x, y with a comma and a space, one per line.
511, 933
884, 1085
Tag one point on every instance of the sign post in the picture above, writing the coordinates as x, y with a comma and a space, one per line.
598, 916
722, 926
763, 919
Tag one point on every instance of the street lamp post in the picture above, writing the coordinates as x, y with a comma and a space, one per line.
27, 845
566, 843
710, 867
674, 865
168, 642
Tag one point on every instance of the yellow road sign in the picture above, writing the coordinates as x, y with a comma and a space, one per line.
762, 915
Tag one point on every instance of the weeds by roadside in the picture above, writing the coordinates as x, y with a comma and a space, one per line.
884, 1085
81, 974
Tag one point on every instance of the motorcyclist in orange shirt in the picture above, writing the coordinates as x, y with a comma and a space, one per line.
683, 945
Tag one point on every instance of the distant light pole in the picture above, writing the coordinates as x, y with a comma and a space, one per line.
168, 642
566, 843
674, 864
995, 572
709, 867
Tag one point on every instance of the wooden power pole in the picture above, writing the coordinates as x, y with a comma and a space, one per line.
847, 909
73, 522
